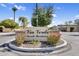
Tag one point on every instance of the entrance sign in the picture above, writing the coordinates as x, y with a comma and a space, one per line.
36, 33
33, 33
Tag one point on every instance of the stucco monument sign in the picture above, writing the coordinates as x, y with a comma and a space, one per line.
36, 33
36, 39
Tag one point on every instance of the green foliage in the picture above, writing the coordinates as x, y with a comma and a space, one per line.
14, 9
8, 23
43, 16
68, 22
53, 40
24, 21
1, 27
35, 42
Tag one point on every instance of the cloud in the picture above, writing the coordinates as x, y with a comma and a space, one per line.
20, 7
3, 5
77, 16
11, 18
54, 15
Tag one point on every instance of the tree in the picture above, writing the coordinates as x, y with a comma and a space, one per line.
68, 22
42, 16
14, 9
8, 23
77, 21
24, 21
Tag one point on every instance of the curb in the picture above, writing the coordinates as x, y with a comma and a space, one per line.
49, 49
61, 46
6, 34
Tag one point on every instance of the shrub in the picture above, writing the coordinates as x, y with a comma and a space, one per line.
53, 38
35, 41
8, 23
20, 37
1, 28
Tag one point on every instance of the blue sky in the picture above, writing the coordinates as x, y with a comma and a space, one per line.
63, 11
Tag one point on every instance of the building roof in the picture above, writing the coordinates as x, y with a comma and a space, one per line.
68, 25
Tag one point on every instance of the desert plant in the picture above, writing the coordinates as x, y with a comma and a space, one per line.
24, 21
53, 39
20, 37
35, 41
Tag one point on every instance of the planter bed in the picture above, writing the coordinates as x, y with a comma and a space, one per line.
40, 49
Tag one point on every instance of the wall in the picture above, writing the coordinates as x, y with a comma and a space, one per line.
36, 33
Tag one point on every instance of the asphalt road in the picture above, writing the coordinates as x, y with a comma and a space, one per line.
71, 37
6, 37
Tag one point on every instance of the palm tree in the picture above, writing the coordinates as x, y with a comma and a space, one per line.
24, 21
14, 10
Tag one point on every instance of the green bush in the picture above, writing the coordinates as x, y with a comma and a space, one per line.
35, 41
53, 40
2, 27
8, 23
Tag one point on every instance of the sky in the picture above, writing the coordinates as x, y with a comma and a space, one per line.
62, 11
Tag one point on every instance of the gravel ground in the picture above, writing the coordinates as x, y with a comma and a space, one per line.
71, 37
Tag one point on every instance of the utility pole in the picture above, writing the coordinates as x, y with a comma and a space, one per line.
37, 14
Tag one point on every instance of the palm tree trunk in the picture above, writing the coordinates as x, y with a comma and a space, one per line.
23, 25
14, 15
